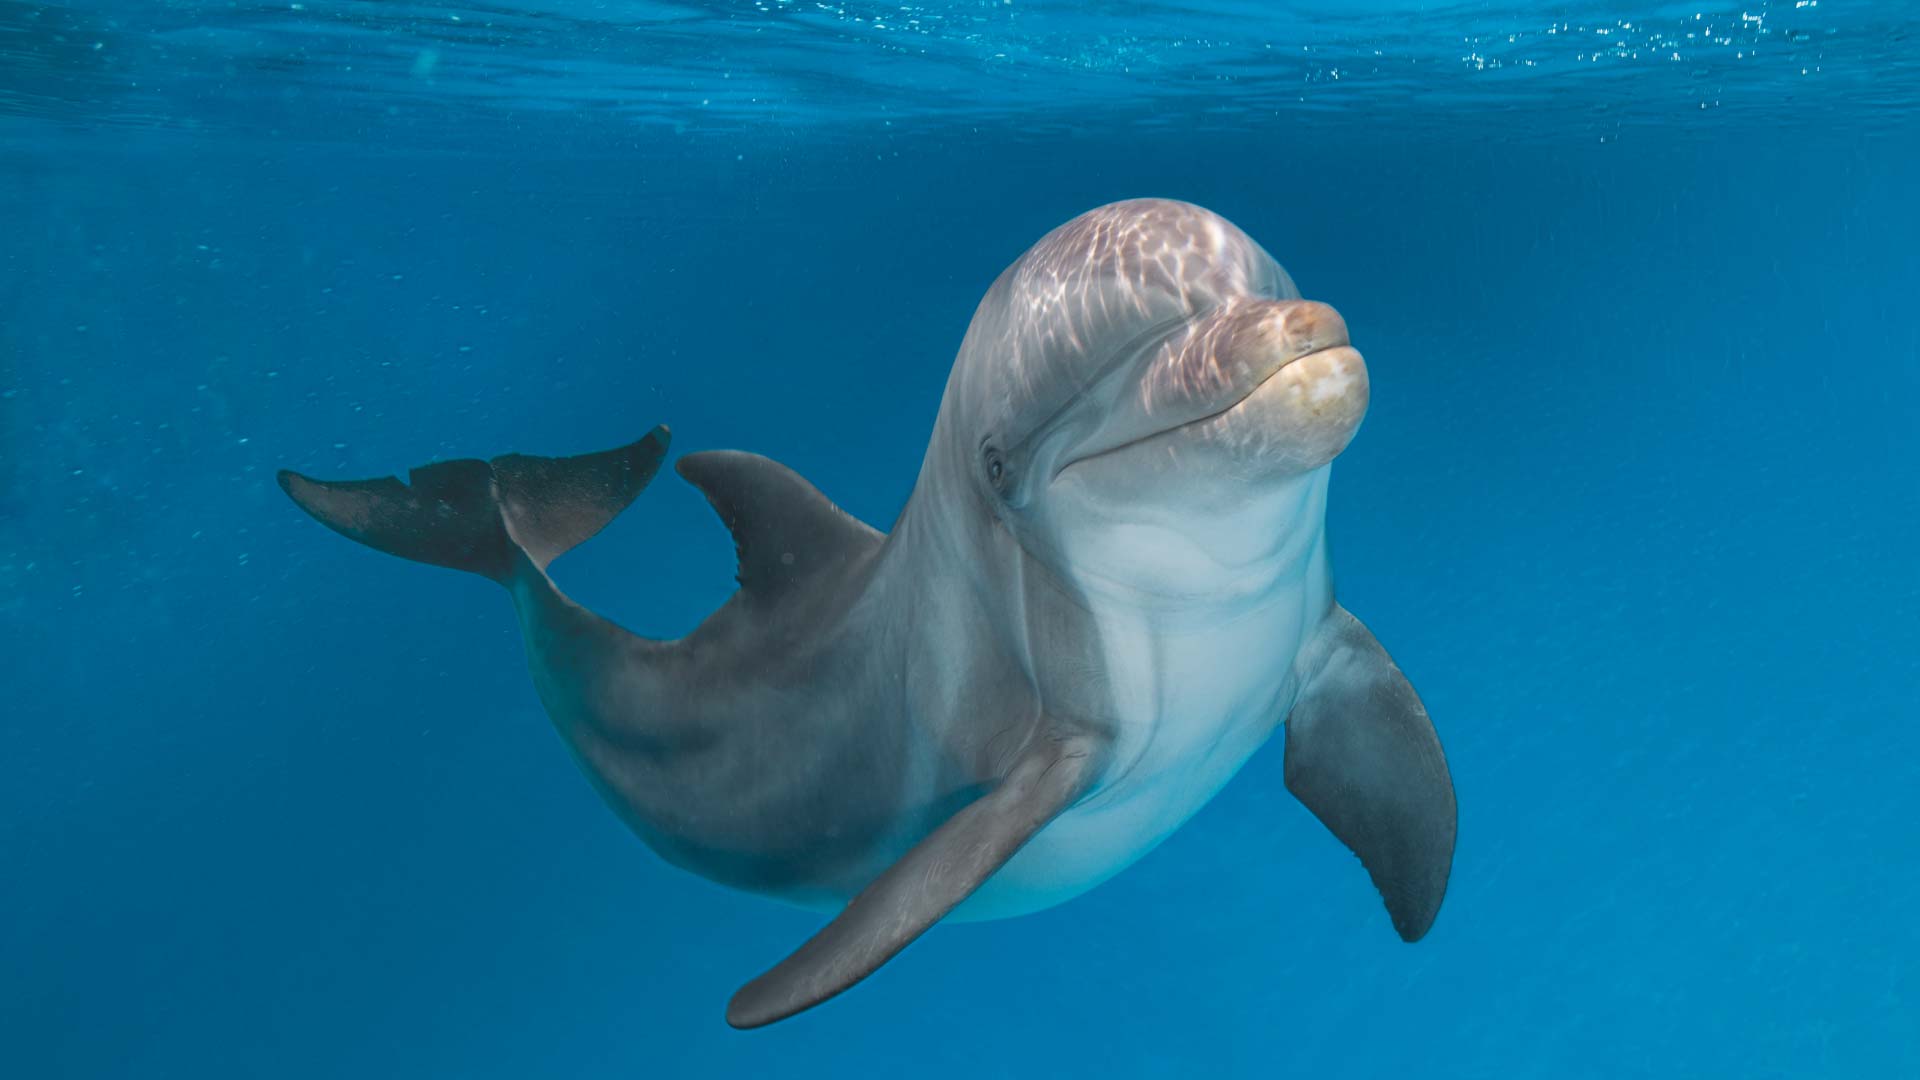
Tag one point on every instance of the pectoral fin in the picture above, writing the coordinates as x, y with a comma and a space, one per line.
929, 881
1362, 755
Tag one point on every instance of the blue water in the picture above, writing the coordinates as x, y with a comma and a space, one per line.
1635, 507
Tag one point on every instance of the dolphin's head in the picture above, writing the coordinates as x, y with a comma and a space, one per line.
1150, 407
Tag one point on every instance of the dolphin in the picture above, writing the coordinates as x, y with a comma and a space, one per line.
1109, 586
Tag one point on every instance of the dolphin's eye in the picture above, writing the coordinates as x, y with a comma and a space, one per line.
996, 468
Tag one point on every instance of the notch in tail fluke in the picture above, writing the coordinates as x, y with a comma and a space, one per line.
478, 515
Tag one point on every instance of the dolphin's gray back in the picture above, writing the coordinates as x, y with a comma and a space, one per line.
796, 768
772, 748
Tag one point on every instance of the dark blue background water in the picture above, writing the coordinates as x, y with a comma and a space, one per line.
1635, 507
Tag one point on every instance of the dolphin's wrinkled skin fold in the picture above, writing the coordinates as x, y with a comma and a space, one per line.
1109, 587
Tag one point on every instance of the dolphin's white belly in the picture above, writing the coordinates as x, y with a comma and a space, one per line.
1194, 704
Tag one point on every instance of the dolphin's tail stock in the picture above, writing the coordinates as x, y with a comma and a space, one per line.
479, 516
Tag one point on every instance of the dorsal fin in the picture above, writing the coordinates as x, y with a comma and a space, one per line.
784, 530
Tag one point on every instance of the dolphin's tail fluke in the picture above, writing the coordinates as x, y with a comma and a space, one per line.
481, 516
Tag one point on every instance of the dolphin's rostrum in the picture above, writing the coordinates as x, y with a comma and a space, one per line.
1109, 586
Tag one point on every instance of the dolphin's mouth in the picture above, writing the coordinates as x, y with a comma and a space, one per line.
1238, 402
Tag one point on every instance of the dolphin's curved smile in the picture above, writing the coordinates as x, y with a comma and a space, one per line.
1209, 367
1266, 382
